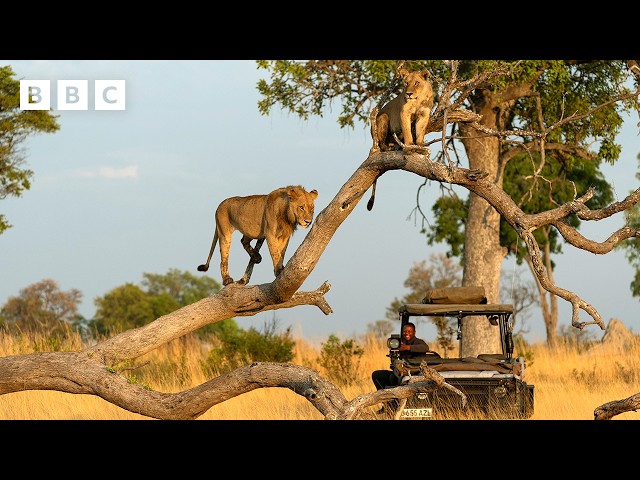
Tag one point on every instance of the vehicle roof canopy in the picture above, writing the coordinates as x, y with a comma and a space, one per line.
455, 310
456, 302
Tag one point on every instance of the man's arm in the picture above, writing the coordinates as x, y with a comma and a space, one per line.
419, 346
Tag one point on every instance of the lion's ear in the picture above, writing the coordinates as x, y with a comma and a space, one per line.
426, 73
403, 72
314, 194
294, 192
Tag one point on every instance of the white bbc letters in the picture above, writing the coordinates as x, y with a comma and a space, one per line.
109, 95
35, 95
73, 95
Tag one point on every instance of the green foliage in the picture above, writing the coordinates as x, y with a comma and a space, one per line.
562, 88
131, 306
565, 178
450, 215
123, 308
15, 127
307, 88
631, 246
635, 284
341, 360
134, 380
183, 288
237, 348
226, 328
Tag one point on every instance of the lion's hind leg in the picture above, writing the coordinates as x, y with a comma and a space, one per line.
253, 252
247, 273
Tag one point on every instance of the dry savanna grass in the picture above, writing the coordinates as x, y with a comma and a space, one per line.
570, 382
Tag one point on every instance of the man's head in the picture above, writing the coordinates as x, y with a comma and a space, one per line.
408, 332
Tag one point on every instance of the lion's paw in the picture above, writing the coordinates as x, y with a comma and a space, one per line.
416, 149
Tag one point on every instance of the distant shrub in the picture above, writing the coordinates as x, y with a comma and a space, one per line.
341, 360
237, 348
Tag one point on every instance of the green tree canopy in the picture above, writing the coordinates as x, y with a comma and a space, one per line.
15, 126
131, 306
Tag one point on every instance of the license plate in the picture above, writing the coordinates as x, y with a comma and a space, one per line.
416, 413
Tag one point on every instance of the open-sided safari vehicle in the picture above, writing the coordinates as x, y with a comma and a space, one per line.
492, 384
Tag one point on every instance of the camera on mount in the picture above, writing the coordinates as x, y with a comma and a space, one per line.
393, 342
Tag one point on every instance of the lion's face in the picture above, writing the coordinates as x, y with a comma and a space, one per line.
416, 85
301, 205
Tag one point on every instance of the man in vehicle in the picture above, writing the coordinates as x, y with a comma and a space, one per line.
410, 347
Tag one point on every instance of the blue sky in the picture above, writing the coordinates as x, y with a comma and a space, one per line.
120, 193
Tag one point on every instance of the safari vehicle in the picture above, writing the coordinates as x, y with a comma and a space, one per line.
492, 384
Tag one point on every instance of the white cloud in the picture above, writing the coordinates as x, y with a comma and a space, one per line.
125, 172
130, 171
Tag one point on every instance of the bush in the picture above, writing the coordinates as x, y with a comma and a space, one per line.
237, 348
341, 360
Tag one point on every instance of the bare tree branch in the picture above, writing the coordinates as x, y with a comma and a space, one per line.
610, 409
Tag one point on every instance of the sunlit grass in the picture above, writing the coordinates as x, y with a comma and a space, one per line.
569, 382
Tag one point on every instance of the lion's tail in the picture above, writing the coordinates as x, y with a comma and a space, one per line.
371, 200
205, 266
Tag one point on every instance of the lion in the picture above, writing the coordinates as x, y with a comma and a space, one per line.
406, 114
273, 217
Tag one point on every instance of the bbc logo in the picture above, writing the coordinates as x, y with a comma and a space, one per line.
72, 95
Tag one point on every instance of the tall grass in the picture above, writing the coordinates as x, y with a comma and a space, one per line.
570, 381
